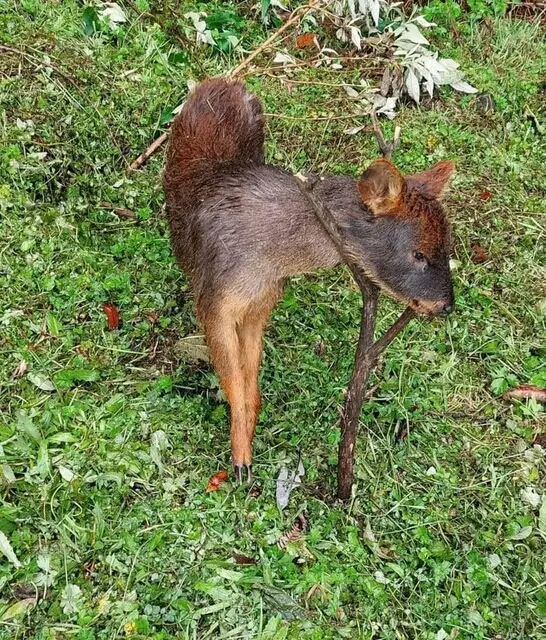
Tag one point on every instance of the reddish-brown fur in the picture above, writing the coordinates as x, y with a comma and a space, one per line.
239, 228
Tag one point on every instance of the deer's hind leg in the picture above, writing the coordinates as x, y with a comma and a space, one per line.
234, 330
251, 331
220, 320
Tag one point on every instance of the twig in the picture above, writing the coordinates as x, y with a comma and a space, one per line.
387, 148
315, 118
367, 351
143, 157
266, 43
121, 211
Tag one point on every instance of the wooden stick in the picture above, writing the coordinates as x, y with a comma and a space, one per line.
121, 211
149, 152
367, 351
387, 148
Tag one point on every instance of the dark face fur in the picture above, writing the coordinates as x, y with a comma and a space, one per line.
407, 239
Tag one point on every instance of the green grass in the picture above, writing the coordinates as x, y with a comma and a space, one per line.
437, 541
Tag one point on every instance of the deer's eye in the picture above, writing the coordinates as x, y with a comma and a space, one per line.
418, 256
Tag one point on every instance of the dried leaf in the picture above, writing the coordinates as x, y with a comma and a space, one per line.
66, 473
112, 315
478, 254
385, 82
412, 86
353, 130
216, 481
158, 445
7, 472
530, 497
7, 550
355, 36
542, 515
283, 58
423, 22
242, 559
410, 33
371, 541
192, 349
286, 483
113, 13
20, 369
305, 40
40, 381
464, 87
522, 534
526, 392
15, 610
350, 91
294, 533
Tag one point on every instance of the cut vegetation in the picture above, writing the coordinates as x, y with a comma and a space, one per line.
112, 425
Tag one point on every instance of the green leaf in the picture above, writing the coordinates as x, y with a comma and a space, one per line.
499, 386
42, 464
264, 8
282, 603
67, 377
71, 599
522, 534
27, 428
178, 57
90, 21
53, 324
166, 116
7, 550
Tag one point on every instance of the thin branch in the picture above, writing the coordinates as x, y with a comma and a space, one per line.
120, 211
149, 151
295, 16
387, 148
367, 351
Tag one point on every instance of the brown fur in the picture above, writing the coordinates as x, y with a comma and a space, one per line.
239, 228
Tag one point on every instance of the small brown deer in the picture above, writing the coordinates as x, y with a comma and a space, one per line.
239, 228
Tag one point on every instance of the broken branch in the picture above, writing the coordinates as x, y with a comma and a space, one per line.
152, 148
367, 351
387, 148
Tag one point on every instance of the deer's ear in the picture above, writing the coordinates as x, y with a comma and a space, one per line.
433, 181
382, 187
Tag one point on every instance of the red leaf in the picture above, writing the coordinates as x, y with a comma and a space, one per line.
305, 40
216, 480
241, 559
526, 392
486, 195
478, 254
112, 314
